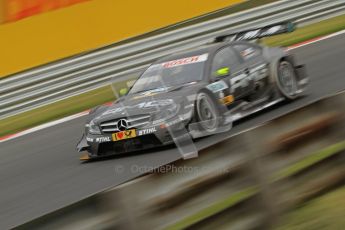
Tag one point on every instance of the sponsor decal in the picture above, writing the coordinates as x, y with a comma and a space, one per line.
185, 61
217, 86
146, 131
89, 139
103, 139
227, 100
127, 134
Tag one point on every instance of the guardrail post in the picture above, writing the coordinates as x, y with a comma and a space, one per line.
123, 208
261, 172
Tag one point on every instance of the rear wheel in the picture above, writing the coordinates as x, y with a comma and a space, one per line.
287, 80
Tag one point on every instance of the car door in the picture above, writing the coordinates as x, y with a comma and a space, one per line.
255, 63
228, 66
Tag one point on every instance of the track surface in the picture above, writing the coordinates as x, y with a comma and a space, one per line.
40, 172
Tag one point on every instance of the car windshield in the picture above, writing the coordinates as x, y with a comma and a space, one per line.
171, 73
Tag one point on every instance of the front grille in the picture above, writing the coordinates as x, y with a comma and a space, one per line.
137, 121
129, 145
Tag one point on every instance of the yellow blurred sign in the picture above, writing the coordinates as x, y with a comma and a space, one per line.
57, 34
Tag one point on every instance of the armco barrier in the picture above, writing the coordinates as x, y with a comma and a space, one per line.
66, 78
245, 182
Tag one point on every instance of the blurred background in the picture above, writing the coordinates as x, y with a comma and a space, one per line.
35, 32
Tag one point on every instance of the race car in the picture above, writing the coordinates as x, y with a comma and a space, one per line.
199, 91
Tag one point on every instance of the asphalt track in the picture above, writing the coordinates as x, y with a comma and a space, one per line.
41, 172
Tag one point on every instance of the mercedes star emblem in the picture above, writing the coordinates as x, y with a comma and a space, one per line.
122, 124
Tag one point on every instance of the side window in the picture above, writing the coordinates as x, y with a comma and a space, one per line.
247, 52
224, 61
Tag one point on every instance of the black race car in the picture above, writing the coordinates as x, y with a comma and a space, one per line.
196, 93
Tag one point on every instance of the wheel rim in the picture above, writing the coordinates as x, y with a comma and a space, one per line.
207, 116
287, 79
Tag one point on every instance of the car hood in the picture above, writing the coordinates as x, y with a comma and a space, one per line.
151, 102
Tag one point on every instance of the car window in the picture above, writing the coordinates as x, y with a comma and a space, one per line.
225, 58
247, 52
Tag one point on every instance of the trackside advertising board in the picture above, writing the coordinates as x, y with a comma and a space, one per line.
37, 32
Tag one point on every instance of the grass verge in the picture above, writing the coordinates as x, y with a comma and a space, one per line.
326, 212
55, 111
214, 209
309, 32
309, 161
81, 102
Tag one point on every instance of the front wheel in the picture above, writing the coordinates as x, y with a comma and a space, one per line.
208, 115
287, 80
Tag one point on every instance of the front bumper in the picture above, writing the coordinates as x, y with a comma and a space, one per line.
150, 137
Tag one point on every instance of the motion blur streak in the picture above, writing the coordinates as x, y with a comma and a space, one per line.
43, 167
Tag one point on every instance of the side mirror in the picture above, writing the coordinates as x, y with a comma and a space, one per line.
222, 72
123, 92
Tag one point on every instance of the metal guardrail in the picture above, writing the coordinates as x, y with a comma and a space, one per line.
72, 76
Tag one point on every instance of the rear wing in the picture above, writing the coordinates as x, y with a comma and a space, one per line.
252, 34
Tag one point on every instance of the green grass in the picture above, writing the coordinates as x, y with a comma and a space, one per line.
214, 209
312, 31
56, 110
309, 161
324, 213
81, 102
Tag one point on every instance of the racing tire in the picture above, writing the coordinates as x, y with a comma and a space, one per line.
287, 83
208, 115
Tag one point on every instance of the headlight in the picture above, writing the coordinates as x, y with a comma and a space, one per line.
93, 128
